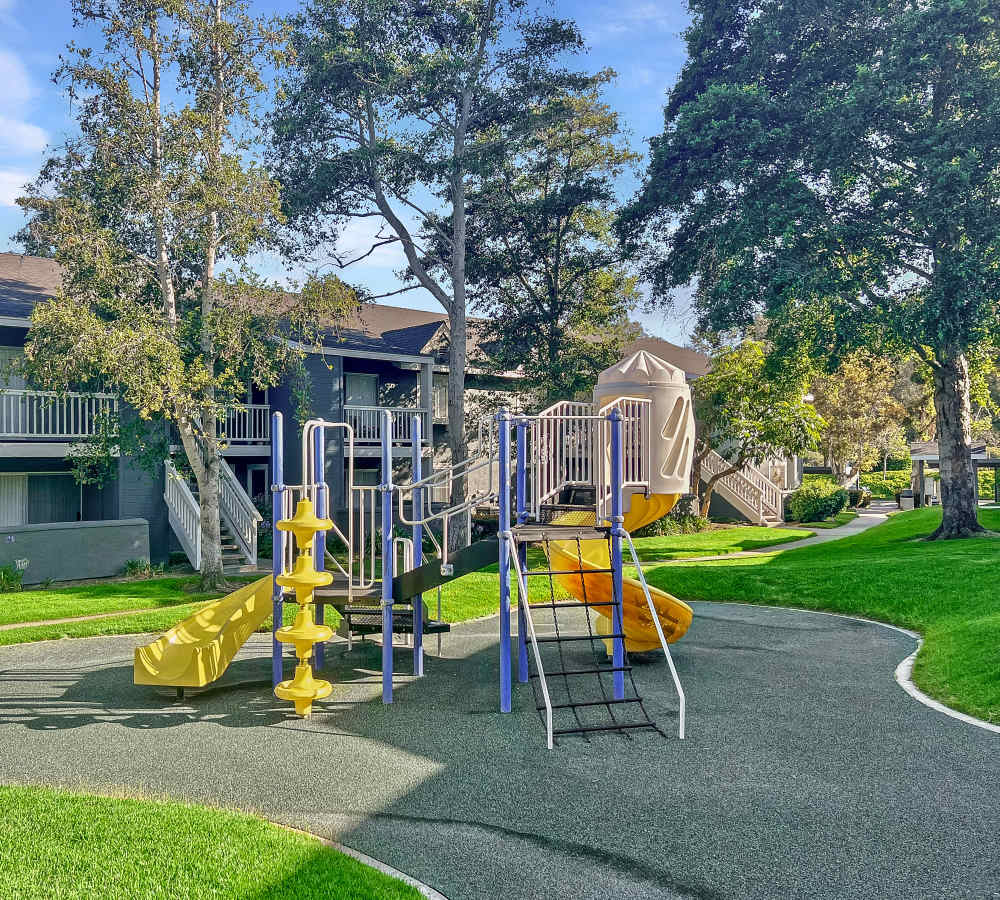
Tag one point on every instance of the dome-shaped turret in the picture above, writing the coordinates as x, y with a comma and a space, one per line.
645, 376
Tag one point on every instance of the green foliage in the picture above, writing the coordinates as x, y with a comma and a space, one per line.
835, 168
888, 486
815, 501
10, 579
859, 498
986, 483
748, 410
682, 519
141, 568
544, 267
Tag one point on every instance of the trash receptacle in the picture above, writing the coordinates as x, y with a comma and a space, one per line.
906, 499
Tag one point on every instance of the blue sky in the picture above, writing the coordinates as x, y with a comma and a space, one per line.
640, 40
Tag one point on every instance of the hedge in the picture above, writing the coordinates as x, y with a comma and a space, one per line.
814, 502
886, 487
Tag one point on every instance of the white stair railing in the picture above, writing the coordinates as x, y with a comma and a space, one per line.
184, 513
238, 512
753, 492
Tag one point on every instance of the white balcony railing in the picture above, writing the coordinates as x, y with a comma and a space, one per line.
367, 423
248, 424
28, 414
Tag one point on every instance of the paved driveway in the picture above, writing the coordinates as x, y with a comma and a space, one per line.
807, 771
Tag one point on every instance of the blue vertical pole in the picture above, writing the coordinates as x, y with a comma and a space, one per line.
522, 549
503, 491
617, 624
277, 488
418, 548
387, 560
319, 542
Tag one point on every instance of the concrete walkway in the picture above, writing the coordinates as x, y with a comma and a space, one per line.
876, 514
807, 772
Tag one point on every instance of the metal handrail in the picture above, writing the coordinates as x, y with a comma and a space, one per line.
522, 598
659, 631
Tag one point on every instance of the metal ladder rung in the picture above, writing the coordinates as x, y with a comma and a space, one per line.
570, 572
591, 728
579, 637
549, 675
592, 703
571, 605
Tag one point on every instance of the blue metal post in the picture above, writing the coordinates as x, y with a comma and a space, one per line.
319, 542
387, 560
522, 549
503, 491
617, 618
277, 489
418, 549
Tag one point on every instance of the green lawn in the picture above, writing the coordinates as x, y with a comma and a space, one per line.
35, 605
714, 542
842, 518
60, 844
945, 590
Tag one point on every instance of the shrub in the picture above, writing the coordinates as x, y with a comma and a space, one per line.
10, 579
886, 487
814, 502
859, 498
680, 520
141, 568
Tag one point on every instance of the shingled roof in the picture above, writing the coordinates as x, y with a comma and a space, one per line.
394, 330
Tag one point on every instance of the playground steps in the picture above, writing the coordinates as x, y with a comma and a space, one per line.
368, 620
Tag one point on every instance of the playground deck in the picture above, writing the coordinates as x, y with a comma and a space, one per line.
806, 772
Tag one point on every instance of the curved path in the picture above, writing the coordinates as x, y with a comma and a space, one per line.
808, 772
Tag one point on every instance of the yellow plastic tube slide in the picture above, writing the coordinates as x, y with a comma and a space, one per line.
196, 651
640, 630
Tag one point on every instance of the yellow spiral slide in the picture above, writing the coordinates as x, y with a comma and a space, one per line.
640, 631
196, 651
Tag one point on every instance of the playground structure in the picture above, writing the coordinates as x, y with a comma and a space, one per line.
574, 479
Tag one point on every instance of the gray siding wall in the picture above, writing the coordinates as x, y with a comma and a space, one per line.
140, 496
69, 550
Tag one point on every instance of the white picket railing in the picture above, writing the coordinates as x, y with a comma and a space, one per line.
367, 423
184, 513
236, 509
248, 424
238, 512
47, 414
749, 489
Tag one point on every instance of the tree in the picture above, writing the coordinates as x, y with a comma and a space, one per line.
837, 166
863, 419
747, 410
544, 267
393, 112
141, 207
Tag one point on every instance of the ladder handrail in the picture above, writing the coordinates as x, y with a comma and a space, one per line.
522, 598
659, 631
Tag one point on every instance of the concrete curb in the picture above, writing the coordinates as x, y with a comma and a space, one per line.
425, 889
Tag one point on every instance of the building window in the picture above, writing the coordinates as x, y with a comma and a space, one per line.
360, 389
440, 397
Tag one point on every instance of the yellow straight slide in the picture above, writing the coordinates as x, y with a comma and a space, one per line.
196, 651
640, 631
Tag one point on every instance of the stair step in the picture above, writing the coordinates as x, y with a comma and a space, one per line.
571, 605
569, 572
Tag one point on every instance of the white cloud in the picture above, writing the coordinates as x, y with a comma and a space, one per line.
620, 19
359, 235
17, 87
12, 186
20, 137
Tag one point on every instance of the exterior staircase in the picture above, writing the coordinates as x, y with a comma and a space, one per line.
238, 519
749, 491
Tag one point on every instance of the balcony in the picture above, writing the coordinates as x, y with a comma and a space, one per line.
27, 415
367, 423
248, 424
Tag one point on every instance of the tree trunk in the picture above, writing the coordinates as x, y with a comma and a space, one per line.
959, 503
457, 528
212, 576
